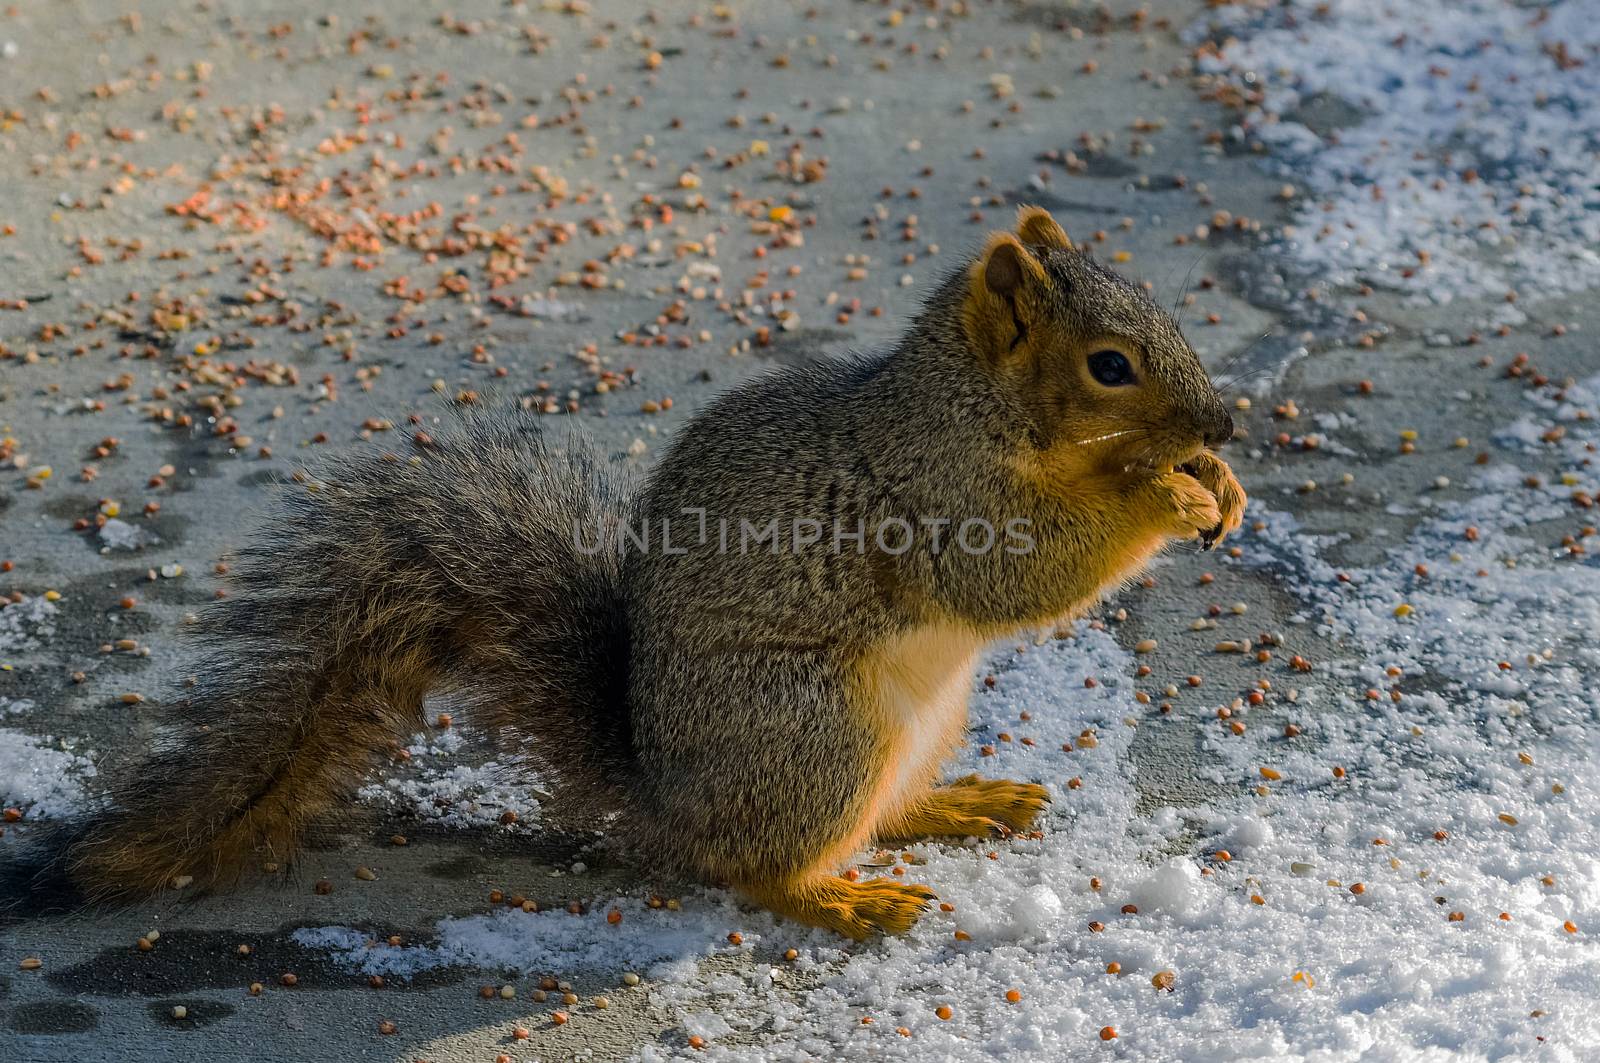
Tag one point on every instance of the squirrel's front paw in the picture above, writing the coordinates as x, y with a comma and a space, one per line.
1186, 509
1215, 476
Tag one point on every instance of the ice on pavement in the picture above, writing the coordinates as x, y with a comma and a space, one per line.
1468, 165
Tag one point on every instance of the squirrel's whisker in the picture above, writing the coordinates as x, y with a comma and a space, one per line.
1235, 359
1109, 435
1183, 289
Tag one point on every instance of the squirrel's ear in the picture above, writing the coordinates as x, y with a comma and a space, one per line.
1035, 226
1002, 294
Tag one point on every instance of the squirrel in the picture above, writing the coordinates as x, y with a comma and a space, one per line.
755, 660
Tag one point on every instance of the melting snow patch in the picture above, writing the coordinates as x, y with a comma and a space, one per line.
25, 624
38, 778
457, 794
120, 535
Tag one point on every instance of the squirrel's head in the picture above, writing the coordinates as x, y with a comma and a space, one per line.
1101, 371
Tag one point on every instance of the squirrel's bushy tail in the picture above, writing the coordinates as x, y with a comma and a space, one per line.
455, 565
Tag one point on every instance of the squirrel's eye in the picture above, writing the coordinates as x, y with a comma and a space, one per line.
1111, 368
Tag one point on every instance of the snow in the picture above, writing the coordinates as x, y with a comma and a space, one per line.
1035, 913
1173, 887
120, 535
37, 776
1474, 143
647, 940
40, 778
436, 790
26, 624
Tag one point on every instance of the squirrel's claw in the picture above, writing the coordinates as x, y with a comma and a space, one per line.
1215, 476
997, 830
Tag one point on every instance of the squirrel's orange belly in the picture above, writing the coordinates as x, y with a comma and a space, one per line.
916, 687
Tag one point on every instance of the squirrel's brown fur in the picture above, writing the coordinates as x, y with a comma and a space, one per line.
754, 715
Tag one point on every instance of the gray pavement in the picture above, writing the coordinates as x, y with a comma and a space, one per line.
212, 213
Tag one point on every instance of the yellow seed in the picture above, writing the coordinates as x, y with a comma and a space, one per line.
1271, 773
1508, 819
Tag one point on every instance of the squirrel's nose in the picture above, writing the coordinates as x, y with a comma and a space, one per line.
1221, 429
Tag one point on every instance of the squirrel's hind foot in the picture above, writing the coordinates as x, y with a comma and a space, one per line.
855, 909
971, 807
